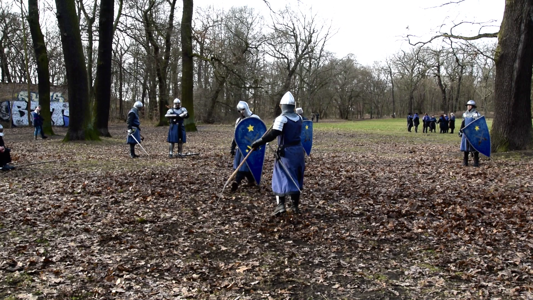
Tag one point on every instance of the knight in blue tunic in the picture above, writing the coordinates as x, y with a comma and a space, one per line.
289, 167
469, 116
244, 171
176, 129
134, 130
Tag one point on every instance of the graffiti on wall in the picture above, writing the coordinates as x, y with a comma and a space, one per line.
54, 97
16, 112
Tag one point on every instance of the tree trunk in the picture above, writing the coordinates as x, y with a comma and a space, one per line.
511, 129
78, 90
43, 73
102, 86
187, 77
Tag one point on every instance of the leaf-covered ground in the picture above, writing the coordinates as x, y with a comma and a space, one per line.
385, 216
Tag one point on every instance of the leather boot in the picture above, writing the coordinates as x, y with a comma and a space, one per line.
465, 159
295, 202
476, 159
280, 208
132, 151
180, 149
170, 150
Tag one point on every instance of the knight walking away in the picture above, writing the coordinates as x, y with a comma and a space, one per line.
289, 166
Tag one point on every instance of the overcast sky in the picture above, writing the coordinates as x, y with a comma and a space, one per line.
375, 30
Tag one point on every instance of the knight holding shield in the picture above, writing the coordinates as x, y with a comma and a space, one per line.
244, 170
469, 116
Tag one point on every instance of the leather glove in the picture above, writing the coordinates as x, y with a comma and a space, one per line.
257, 144
131, 131
460, 134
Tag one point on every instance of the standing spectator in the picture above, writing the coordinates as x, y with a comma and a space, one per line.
317, 116
38, 123
416, 121
432, 124
452, 122
425, 123
446, 123
409, 122
441, 122
5, 156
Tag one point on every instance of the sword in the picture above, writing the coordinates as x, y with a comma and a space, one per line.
131, 134
278, 158
236, 170
240, 165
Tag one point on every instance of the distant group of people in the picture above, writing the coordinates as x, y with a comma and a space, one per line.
446, 124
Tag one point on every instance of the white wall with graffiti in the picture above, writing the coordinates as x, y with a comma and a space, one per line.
16, 112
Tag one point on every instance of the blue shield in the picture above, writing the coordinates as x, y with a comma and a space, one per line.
246, 132
307, 136
477, 133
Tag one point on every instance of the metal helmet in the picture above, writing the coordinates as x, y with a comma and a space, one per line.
242, 107
299, 111
471, 102
1, 130
138, 104
288, 98
177, 101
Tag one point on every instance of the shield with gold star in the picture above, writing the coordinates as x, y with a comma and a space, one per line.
477, 133
246, 132
307, 136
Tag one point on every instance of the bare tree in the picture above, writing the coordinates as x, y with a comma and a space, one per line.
294, 37
39, 48
78, 92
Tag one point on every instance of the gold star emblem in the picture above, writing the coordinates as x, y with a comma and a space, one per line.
250, 128
477, 128
306, 127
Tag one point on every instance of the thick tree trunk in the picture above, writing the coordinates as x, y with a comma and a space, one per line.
43, 73
6, 76
511, 129
78, 90
102, 84
187, 78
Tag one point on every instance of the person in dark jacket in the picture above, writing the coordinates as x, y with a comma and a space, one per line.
425, 123
432, 124
452, 122
416, 121
5, 153
409, 122
38, 123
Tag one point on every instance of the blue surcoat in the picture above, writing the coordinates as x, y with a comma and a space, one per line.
135, 123
292, 155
